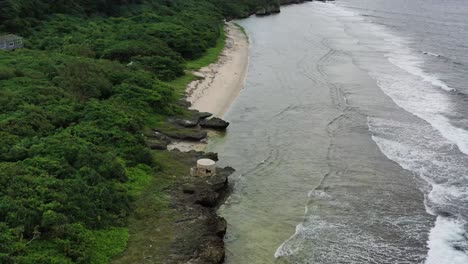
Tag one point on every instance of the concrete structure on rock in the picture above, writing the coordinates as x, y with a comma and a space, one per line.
204, 168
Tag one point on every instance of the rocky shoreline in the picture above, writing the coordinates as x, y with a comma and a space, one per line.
198, 230
276, 8
198, 236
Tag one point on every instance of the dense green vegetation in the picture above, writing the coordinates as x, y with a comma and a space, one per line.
73, 106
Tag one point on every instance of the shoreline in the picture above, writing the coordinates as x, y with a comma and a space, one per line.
220, 83
190, 229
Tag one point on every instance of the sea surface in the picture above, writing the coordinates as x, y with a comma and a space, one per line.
350, 138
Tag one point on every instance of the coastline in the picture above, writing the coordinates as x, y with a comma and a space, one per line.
220, 83
199, 231
189, 229
197, 234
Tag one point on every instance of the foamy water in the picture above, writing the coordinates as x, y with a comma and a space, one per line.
443, 236
431, 150
341, 115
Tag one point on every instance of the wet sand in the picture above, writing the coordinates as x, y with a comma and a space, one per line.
221, 82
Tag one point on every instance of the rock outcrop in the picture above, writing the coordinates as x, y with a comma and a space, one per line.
214, 123
199, 230
192, 120
156, 140
267, 10
187, 128
273, 8
185, 134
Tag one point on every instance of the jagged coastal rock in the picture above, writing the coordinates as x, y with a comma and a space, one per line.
267, 10
214, 123
191, 121
198, 229
187, 128
185, 134
275, 8
156, 140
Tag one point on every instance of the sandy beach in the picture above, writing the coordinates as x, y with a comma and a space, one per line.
221, 82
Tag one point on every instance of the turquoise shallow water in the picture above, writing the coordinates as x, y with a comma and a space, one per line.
344, 146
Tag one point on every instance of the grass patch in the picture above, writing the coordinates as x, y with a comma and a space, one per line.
138, 178
108, 243
210, 56
181, 83
151, 225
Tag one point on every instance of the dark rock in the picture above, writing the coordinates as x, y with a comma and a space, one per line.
189, 188
210, 191
227, 170
199, 231
289, 2
191, 135
187, 122
211, 156
262, 12
156, 144
200, 115
207, 198
214, 123
203, 115
191, 121
212, 250
275, 9
221, 227
160, 136
267, 10
156, 140
218, 182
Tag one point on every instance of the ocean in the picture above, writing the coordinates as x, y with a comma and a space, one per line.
351, 136
430, 42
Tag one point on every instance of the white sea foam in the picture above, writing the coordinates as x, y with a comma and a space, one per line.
287, 248
445, 233
423, 148
411, 88
426, 147
414, 91
411, 63
419, 149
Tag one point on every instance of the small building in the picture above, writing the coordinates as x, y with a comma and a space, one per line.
11, 42
204, 168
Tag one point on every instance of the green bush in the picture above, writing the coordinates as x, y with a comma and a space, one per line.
6, 73
178, 38
84, 79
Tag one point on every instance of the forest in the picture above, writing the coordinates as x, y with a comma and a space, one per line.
73, 107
